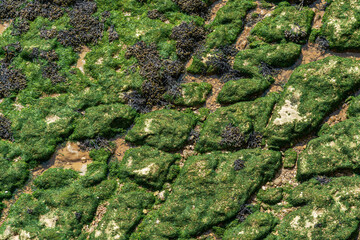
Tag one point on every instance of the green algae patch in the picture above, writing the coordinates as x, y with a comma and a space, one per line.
326, 211
55, 178
191, 94
13, 175
164, 129
224, 30
336, 149
146, 166
242, 90
248, 61
247, 116
208, 191
51, 213
104, 120
341, 25
58, 207
123, 214
270, 195
228, 23
354, 107
290, 157
313, 91
255, 227
285, 19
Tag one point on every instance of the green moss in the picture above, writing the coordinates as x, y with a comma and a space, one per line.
341, 25
329, 211
191, 94
100, 155
224, 30
104, 120
313, 91
284, 18
228, 23
354, 107
146, 166
12, 176
59, 213
197, 66
242, 90
255, 227
123, 213
248, 116
55, 178
290, 157
208, 191
270, 195
248, 61
95, 173
334, 150
164, 129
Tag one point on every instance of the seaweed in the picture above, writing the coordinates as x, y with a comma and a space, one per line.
323, 180
322, 43
255, 140
161, 76
239, 164
156, 14
20, 26
11, 51
220, 61
244, 212
113, 35
233, 138
187, 36
51, 71
195, 7
296, 34
86, 28
11, 80
48, 34
96, 143
5, 128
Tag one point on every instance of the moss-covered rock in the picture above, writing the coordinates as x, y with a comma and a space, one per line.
100, 155
164, 129
146, 166
270, 195
104, 120
285, 19
313, 91
191, 94
326, 211
290, 157
242, 90
95, 173
336, 149
249, 61
59, 205
354, 107
12, 176
55, 178
208, 191
228, 23
123, 213
51, 214
255, 227
247, 116
341, 24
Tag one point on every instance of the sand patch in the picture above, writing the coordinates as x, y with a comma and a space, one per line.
81, 61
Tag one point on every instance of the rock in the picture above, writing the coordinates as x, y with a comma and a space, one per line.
208, 191
164, 129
